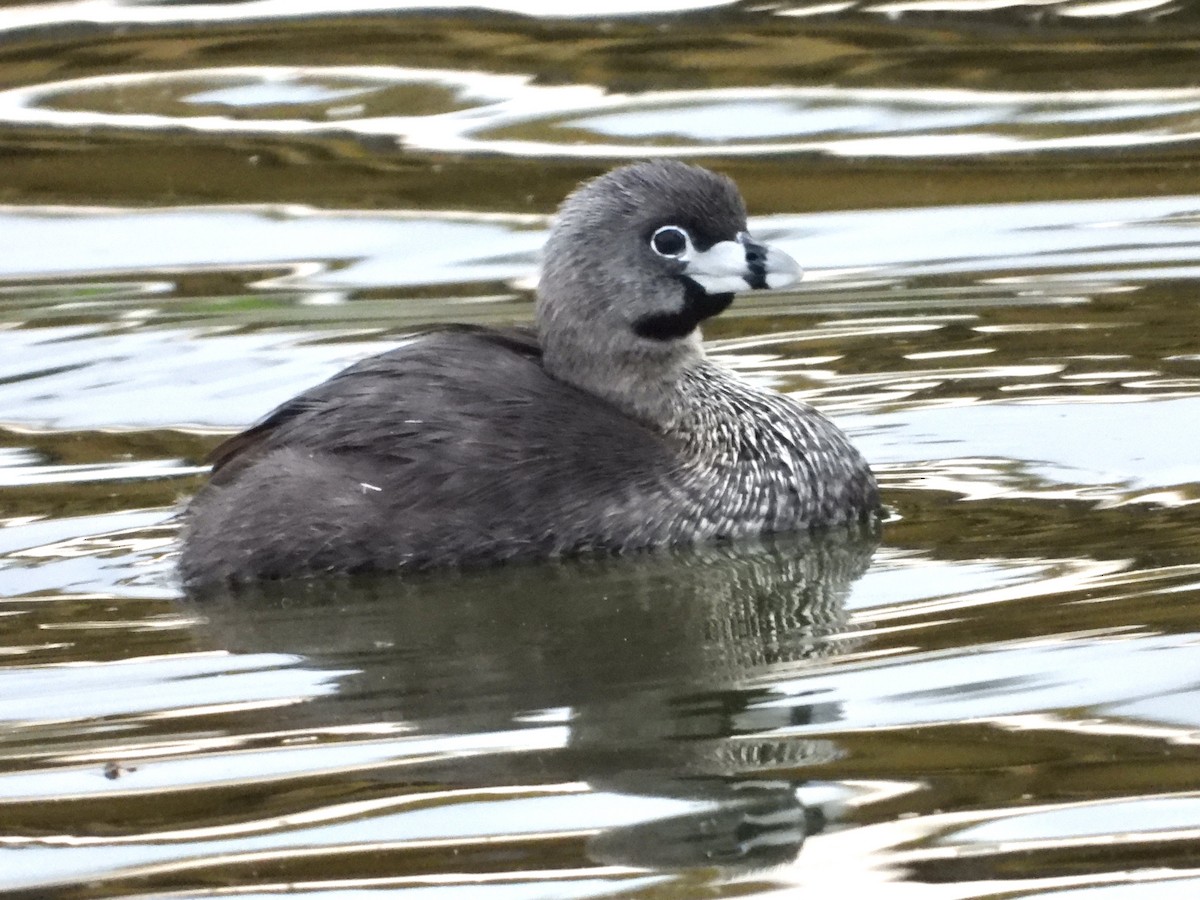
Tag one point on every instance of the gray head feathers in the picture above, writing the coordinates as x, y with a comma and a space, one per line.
636, 260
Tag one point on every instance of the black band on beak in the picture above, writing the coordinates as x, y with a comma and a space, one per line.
756, 264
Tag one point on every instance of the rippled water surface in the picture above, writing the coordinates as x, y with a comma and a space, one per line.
205, 208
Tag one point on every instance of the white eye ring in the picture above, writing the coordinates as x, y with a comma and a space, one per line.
675, 243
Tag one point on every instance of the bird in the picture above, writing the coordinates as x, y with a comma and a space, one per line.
604, 428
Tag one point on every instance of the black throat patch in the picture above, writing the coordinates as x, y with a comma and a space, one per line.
698, 305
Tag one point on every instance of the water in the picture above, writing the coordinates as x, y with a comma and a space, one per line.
208, 207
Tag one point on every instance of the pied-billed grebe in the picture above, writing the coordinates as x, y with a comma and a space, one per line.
604, 429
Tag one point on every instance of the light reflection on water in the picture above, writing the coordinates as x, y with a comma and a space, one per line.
513, 114
115, 12
1079, 245
997, 701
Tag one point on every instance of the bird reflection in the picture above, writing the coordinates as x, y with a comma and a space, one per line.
655, 662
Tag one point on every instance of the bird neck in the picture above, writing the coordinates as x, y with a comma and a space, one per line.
646, 382
708, 409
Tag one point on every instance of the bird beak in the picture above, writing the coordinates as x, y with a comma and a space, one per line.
731, 266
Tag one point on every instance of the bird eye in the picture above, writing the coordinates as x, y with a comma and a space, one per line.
670, 240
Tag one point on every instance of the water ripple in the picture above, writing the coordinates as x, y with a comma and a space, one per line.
450, 111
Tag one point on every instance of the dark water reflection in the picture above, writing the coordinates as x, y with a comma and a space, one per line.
629, 685
646, 670
210, 206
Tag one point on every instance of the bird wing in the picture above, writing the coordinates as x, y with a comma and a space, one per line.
453, 400
347, 411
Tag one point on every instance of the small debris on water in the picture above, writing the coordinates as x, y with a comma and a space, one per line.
114, 770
